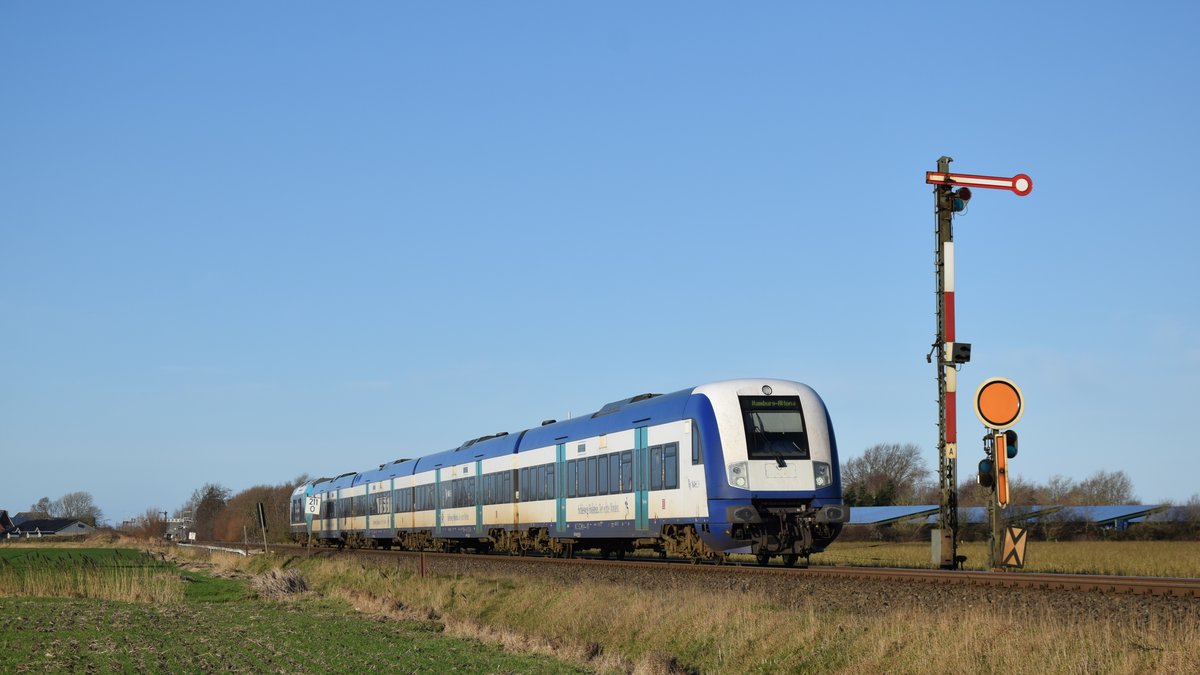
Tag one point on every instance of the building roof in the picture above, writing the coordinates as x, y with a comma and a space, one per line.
52, 526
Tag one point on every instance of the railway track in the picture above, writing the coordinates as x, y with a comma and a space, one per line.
1086, 583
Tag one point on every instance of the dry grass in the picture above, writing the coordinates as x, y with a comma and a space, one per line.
143, 585
87, 573
612, 627
1126, 558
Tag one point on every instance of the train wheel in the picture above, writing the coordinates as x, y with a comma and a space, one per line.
762, 559
790, 560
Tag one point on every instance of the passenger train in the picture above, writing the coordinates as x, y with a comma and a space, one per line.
736, 465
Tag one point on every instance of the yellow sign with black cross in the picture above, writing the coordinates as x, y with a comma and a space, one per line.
1012, 554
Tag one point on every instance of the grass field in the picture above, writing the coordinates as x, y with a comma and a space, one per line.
378, 615
87, 610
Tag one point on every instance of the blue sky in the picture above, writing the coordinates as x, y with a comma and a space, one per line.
240, 243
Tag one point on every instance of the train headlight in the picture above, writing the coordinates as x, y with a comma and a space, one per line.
822, 474
738, 474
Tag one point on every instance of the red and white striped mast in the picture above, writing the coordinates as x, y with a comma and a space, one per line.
951, 193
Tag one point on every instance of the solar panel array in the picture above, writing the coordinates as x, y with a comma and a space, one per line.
972, 515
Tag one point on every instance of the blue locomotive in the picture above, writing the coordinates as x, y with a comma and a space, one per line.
737, 465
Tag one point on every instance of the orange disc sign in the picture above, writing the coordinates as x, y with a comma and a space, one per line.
999, 403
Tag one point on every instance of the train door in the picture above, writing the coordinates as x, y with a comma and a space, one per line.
479, 529
560, 482
437, 502
641, 480
514, 496
393, 502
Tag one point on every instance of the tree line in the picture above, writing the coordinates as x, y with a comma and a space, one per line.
896, 474
218, 514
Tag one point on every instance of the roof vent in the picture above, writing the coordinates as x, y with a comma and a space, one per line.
481, 439
617, 405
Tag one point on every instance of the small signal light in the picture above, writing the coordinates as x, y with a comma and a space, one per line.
958, 202
1010, 440
987, 476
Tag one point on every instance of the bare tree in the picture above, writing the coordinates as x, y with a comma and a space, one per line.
886, 473
1105, 487
80, 506
154, 526
42, 508
205, 505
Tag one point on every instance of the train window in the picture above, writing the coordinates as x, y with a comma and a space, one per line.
570, 479
614, 473
671, 466
697, 449
523, 484
656, 467
774, 427
550, 494
591, 476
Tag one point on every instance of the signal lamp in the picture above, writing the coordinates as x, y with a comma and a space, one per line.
958, 201
960, 352
1010, 440
987, 475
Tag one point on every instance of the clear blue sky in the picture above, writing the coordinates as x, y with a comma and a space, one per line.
243, 242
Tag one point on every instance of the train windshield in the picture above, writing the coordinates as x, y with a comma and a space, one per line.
774, 428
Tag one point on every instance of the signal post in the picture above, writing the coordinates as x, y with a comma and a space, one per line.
999, 403
951, 194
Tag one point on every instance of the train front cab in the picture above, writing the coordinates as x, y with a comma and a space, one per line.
774, 483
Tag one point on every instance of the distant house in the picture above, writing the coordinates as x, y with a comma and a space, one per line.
48, 527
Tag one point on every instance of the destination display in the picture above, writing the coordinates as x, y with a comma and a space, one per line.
770, 403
